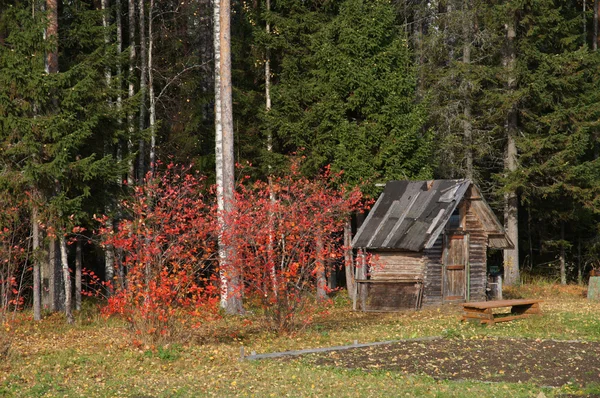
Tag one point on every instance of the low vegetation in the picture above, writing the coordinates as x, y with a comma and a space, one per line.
97, 358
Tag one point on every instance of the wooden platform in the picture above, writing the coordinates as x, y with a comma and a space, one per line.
482, 310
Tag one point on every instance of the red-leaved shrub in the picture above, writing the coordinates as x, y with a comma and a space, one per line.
166, 248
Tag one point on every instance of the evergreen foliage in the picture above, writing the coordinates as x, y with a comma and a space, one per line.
351, 101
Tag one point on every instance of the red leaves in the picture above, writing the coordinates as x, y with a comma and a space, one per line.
167, 247
166, 252
15, 254
275, 228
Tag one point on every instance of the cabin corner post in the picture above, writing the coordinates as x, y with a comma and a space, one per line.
349, 261
361, 274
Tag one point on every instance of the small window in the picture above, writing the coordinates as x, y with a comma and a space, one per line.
454, 222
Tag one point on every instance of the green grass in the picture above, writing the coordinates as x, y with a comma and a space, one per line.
97, 359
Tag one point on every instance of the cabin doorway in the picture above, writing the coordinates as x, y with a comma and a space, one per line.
455, 269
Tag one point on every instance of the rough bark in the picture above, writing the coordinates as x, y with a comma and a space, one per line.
511, 201
320, 268
563, 262
48, 277
467, 124
219, 143
119, 26
143, 89
106, 26
66, 278
52, 35
151, 95
35, 231
349, 260
231, 286
108, 257
131, 89
78, 265
595, 32
109, 268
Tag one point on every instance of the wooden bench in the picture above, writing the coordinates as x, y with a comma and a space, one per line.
482, 310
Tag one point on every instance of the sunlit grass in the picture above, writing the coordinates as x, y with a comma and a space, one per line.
96, 357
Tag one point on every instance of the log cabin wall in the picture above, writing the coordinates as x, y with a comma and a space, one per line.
432, 294
477, 253
395, 282
477, 259
389, 265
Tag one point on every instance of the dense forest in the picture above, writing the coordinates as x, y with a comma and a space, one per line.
99, 97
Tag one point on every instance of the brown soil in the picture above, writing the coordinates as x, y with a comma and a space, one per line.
543, 362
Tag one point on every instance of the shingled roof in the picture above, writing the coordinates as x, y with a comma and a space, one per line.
410, 215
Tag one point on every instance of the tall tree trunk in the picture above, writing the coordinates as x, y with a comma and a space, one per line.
109, 263
320, 270
230, 280
52, 35
109, 268
119, 26
563, 261
35, 230
349, 260
579, 262
78, 265
467, 124
219, 143
50, 273
143, 89
595, 47
106, 26
66, 278
131, 90
270, 149
511, 201
584, 23
595, 32
49, 277
151, 91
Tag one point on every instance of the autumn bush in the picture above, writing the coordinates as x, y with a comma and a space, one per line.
15, 263
166, 252
15, 255
283, 234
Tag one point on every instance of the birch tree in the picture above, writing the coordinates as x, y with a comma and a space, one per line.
131, 88
230, 282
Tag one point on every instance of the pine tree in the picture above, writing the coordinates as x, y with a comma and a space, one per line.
348, 99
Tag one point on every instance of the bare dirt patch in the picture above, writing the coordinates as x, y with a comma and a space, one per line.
543, 362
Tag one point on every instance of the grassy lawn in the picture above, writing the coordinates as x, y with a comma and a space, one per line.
96, 357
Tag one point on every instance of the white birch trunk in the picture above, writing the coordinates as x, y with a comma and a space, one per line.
219, 144
109, 263
78, 265
35, 230
230, 280
66, 278
151, 92
119, 26
143, 89
131, 90
273, 269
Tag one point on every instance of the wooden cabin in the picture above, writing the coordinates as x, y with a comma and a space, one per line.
427, 243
